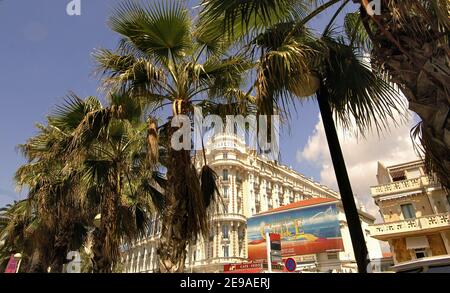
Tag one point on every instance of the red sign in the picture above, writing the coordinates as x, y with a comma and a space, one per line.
251, 267
274, 237
11, 268
242, 266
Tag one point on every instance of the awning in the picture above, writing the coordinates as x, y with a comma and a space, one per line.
400, 195
417, 242
245, 271
397, 174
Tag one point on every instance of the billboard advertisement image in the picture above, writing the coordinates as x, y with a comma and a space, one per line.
308, 230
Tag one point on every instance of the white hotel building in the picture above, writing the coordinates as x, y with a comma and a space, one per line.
250, 185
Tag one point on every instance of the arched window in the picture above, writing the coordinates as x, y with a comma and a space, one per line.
225, 174
225, 230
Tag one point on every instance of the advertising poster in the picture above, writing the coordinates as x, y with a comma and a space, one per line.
308, 230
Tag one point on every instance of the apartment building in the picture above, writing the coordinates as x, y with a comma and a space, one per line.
250, 184
415, 209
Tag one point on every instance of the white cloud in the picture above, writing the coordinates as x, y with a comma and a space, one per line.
361, 157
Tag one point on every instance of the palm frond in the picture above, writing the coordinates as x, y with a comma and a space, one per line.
358, 95
208, 185
283, 73
67, 116
252, 14
356, 33
161, 29
122, 73
221, 75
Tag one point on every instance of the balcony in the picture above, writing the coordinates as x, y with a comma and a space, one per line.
410, 227
230, 217
400, 186
221, 162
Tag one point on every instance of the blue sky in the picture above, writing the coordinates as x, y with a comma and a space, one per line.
45, 54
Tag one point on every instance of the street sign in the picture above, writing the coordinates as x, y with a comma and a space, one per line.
290, 264
242, 266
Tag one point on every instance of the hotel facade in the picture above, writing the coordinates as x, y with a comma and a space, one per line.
250, 185
415, 210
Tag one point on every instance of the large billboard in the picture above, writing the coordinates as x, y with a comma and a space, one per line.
307, 230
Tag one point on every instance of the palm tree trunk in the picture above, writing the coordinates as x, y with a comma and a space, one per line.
345, 189
106, 241
61, 245
59, 256
415, 52
173, 240
37, 262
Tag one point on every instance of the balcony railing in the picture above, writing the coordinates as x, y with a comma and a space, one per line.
400, 186
433, 221
422, 224
229, 217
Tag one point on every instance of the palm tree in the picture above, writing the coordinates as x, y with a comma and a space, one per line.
53, 194
162, 60
23, 232
409, 41
118, 183
88, 160
293, 63
56, 191
14, 219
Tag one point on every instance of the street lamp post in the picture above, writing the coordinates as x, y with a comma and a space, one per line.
269, 259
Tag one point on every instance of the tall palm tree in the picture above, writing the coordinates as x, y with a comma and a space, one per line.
409, 41
162, 60
108, 147
88, 160
53, 194
293, 63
